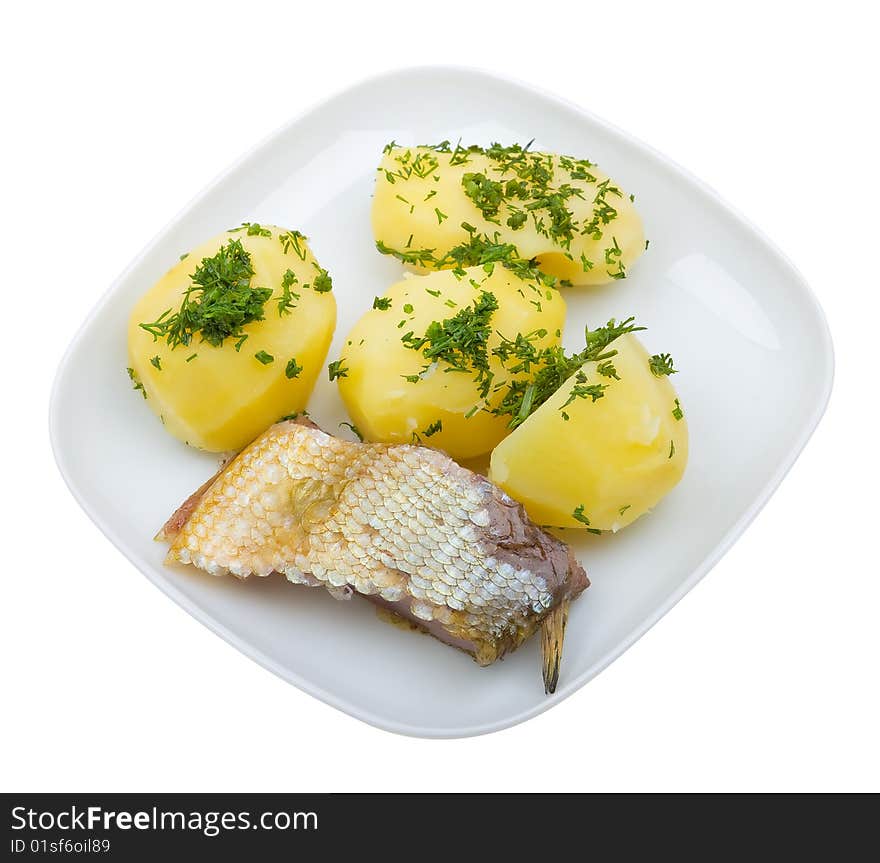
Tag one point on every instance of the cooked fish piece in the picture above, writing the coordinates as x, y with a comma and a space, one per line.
404, 526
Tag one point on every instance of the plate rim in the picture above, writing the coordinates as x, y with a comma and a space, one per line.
825, 348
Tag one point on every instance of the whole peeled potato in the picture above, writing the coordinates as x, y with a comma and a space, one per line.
562, 212
216, 382
599, 464
394, 394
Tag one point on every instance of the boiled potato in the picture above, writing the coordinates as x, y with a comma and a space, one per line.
244, 348
563, 212
612, 459
395, 394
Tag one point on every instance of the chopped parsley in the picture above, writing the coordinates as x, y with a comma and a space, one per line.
264, 358
578, 515
156, 362
382, 303
677, 412
292, 369
407, 308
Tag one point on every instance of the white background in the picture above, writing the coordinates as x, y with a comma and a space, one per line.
764, 677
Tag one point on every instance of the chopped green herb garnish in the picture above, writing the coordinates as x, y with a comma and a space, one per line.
184, 256
407, 308
578, 515
623, 509
607, 370
218, 304
135, 382
191, 357
253, 230
382, 303
157, 362
417, 257
460, 341
292, 369
661, 364
433, 428
677, 412
583, 390
264, 358
548, 368
671, 448
288, 298
337, 369
293, 240
322, 283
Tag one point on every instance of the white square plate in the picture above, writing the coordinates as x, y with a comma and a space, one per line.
749, 337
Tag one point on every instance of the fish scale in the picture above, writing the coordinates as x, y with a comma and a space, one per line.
401, 524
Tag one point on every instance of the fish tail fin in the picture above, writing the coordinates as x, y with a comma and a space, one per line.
552, 635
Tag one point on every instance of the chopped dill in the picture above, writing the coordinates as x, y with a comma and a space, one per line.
337, 369
254, 229
460, 341
293, 240
135, 382
547, 369
288, 298
433, 428
218, 303
661, 364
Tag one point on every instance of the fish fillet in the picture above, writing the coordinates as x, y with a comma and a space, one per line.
405, 526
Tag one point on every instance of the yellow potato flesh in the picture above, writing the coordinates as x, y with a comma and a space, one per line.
616, 457
222, 399
385, 407
405, 215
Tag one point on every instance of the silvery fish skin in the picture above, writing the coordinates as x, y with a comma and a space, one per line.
405, 526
